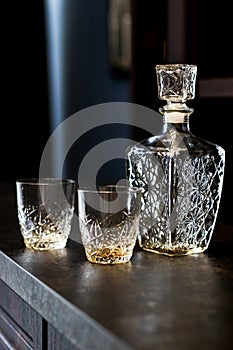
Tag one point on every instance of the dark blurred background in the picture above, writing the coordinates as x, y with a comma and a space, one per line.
60, 56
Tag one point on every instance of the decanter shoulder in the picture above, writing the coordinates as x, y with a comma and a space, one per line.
197, 144
177, 141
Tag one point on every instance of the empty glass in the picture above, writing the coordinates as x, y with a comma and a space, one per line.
45, 211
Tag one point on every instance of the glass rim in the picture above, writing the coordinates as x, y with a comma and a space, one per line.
112, 189
44, 181
175, 65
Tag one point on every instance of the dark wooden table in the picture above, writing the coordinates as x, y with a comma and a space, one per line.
153, 302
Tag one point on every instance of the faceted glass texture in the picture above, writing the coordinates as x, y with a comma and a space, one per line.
176, 82
180, 174
108, 222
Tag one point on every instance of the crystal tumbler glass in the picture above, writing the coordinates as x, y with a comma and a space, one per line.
108, 221
45, 211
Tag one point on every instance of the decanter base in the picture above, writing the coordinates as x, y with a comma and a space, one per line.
175, 252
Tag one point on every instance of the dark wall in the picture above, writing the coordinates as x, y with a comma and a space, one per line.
81, 73
31, 108
25, 118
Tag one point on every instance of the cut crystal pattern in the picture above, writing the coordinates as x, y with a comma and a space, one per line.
180, 175
177, 216
110, 239
41, 229
176, 82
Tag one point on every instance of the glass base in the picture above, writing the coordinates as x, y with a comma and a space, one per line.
36, 244
175, 252
108, 256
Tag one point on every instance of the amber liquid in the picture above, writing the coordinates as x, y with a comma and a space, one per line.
115, 255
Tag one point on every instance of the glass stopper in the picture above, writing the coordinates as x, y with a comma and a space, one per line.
176, 82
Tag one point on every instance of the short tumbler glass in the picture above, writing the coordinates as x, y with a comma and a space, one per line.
45, 211
109, 221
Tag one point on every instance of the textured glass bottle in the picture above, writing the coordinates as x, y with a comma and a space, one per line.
180, 174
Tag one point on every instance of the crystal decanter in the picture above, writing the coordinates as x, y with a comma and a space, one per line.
180, 174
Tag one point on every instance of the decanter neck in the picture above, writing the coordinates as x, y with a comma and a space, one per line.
176, 115
176, 85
